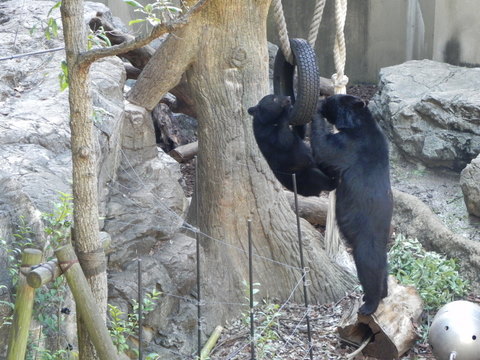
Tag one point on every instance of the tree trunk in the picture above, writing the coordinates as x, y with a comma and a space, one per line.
84, 175
224, 53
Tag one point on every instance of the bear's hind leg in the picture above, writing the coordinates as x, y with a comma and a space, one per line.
371, 266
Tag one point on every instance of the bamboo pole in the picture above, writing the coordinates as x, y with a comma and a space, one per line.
44, 273
49, 271
212, 340
18, 337
85, 303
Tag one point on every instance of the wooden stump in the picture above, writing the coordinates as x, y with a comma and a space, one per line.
392, 327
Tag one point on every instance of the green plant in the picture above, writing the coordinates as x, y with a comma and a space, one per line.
266, 321
58, 223
155, 13
98, 37
123, 325
63, 76
435, 277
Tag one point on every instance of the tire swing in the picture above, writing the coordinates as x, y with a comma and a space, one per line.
305, 98
297, 54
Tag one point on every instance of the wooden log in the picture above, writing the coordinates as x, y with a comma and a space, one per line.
212, 340
392, 326
313, 209
44, 273
326, 86
49, 271
184, 153
22, 316
85, 303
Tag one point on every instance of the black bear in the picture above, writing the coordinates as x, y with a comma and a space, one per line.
358, 156
284, 149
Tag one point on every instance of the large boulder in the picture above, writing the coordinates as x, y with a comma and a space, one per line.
470, 183
430, 111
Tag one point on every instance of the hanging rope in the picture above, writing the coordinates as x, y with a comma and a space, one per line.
281, 24
340, 80
316, 19
282, 30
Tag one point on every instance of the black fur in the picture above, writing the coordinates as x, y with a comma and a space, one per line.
358, 156
284, 149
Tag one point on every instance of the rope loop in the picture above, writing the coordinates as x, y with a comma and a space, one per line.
282, 30
340, 82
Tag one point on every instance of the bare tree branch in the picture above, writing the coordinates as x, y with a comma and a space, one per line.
142, 40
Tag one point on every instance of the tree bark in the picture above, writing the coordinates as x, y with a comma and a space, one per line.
84, 173
224, 53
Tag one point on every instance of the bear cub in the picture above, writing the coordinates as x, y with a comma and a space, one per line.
284, 149
358, 156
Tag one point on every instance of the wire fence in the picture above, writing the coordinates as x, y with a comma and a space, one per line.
129, 172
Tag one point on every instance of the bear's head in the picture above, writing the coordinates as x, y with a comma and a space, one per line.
271, 108
343, 111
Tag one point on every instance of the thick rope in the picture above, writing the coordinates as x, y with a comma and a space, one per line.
315, 25
340, 80
282, 30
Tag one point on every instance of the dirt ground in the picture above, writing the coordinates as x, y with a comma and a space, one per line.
439, 189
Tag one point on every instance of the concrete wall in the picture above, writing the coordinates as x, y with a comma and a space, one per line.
380, 33
457, 32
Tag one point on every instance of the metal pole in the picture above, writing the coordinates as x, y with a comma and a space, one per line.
140, 311
302, 265
250, 281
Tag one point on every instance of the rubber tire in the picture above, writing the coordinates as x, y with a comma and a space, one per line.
308, 80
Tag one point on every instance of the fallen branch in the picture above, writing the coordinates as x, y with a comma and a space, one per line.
212, 340
184, 153
313, 209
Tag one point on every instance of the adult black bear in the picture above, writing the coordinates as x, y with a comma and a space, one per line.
358, 156
284, 149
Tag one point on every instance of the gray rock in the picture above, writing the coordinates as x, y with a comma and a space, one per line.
431, 112
470, 183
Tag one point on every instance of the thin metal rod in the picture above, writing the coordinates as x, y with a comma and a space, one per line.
302, 265
250, 282
197, 238
31, 53
140, 311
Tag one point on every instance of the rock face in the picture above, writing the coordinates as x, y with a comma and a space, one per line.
431, 112
470, 183
141, 202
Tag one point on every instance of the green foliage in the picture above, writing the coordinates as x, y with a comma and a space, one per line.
63, 76
123, 325
266, 322
435, 277
268, 316
51, 28
154, 13
48, 299
58, 223
98, 37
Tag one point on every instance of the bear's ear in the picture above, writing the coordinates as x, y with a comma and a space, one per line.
252, 110
359, 103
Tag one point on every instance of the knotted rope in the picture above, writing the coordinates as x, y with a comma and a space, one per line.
339, 79
281, 24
